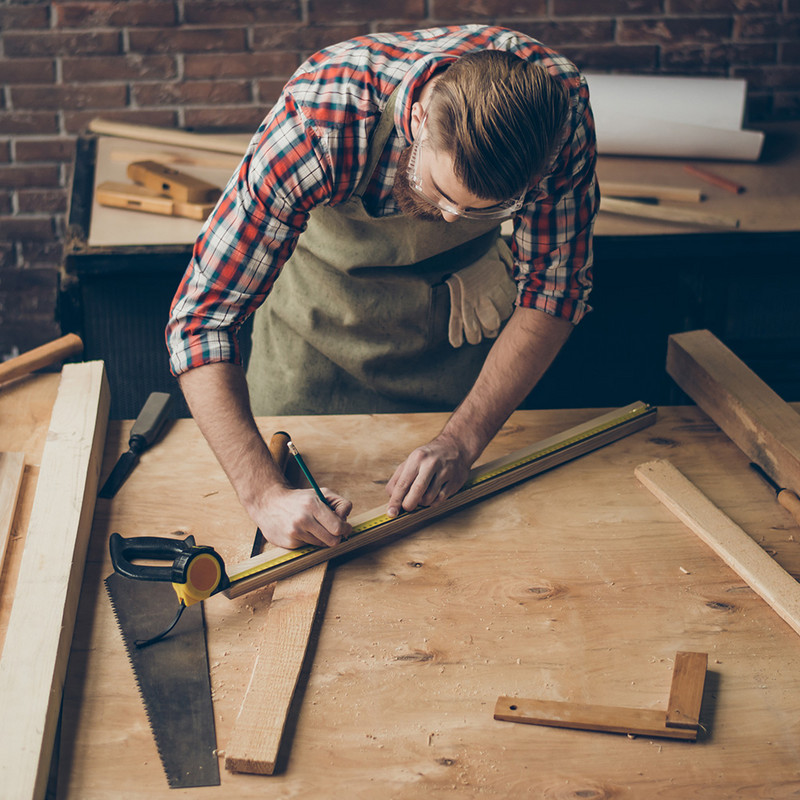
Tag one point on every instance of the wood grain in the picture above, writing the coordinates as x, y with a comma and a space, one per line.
690, 216
42, 356
12, 468
764, 427
686, 690
40, 628
738, 550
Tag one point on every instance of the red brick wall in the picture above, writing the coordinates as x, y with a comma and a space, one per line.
215, 63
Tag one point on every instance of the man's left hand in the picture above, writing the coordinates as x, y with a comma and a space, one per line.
431, 474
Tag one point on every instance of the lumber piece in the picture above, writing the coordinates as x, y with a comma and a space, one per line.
738, 550
678, 194
42, 356
689, 216
42, 618
12, 467
171, 182
483, 480
758, 421
133, 197
686, 692
259, 727
148, 133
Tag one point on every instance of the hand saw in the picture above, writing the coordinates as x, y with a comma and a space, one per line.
192, 584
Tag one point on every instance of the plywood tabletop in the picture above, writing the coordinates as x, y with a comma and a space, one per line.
576, 585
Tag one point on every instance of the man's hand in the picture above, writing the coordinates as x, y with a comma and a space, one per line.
292, 518
431, 474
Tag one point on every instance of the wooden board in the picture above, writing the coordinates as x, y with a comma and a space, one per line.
576, 586
686, 691
765, 427
12, 468
727, 539
40, 628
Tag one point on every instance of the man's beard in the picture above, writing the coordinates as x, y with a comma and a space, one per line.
409, 202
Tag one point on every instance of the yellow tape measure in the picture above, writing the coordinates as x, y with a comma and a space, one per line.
492, 470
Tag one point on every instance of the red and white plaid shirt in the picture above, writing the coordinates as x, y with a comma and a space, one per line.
312, 148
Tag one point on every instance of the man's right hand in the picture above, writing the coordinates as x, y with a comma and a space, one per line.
292, 518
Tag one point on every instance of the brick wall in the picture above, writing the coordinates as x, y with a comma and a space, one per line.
220, 63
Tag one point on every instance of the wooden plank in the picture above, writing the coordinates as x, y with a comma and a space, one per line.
679, 194
133, 197
39, 357
762, 425
483, 480
42, 618
12, 467
686, 691
765, 576
259, 728
610, 719
173, 183
690, 216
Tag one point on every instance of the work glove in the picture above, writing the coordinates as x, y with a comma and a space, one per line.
481, 298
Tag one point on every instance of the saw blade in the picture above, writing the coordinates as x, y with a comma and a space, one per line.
173, 678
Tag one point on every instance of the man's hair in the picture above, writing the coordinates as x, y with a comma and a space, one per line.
500, 118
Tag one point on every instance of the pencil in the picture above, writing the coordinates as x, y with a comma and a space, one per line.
717, 180
290, 446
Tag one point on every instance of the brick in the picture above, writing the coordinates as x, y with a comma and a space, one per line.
771, 77
786, 105
24, 17
5, 208
790, 53
77, 121
28, 70
34, 122
5, 151
627, 58
184, 40
684, 29
722, 6
605, 8
15, 177
239, 12
762, 27
42, 253
306, 38
27, 333
17, 228
119, 68
33, 288
269, 91
42, 201
73, 96
334, 10
483, 10
240, 65
164, 94
715, 58
114, 15
571, 31
60, 149
244, 120
54, 43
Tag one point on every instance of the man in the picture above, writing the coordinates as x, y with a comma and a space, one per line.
373, 192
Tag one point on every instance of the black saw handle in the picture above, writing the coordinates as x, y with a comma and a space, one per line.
153, 548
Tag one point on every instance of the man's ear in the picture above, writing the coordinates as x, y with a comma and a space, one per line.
417, 113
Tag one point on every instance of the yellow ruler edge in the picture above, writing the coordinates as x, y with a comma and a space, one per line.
476, 480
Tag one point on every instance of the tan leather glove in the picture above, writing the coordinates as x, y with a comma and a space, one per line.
481, 297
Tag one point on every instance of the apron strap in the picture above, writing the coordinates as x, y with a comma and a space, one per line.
377, 143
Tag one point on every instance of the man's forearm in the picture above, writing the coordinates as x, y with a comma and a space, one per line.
521, 355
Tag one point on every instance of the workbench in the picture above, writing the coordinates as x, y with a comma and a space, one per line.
574, 585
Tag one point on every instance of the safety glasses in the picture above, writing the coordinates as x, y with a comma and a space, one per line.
429, 193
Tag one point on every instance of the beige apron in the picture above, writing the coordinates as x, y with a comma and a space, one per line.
357, 321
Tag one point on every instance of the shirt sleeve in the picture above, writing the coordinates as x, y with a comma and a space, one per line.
248, 238
552, 242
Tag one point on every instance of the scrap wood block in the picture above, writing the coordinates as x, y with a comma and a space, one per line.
686, 695
763, 426
40, 627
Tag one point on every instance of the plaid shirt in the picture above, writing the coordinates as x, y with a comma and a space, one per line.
311, 149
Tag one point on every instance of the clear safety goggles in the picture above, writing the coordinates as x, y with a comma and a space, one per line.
429, 193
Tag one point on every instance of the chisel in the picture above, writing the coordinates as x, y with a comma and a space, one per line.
144, 432
786, 497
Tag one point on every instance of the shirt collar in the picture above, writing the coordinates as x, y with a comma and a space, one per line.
423, 69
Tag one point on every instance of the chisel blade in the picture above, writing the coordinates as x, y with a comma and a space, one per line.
123, 468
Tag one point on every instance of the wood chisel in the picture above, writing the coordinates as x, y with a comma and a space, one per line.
786, 497
144, 432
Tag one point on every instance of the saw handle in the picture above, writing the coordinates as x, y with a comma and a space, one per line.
152, 548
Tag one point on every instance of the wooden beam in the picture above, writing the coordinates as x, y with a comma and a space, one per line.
42, 619
764, 575
686, 692
484, 480
12, 467
39, 357
762, 425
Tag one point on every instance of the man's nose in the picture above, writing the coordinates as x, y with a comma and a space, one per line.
447, 217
